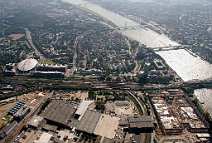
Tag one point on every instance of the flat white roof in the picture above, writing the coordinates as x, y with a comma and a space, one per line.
83, 107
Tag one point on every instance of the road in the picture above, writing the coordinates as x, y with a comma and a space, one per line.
74, 62
76, 44
30, 42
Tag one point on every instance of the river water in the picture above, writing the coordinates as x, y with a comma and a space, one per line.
185, 64
205, 97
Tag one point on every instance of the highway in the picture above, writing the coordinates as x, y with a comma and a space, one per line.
30, 42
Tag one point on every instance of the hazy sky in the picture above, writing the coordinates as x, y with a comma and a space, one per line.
174, 1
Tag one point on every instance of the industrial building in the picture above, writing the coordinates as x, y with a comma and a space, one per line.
98, 124
82, 108
35, 122
18, 106
137, 125
60, 113
19, 111
78, 117
89, 122
51, 68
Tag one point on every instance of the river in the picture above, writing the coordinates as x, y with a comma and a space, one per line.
204, 96
185, 64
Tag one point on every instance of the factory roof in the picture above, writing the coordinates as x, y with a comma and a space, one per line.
59, 111
89, 121
27, 64
141, 122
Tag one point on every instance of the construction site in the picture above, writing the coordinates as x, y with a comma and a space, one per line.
178, 118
